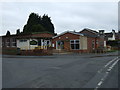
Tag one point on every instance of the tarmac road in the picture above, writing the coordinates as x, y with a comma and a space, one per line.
61, 71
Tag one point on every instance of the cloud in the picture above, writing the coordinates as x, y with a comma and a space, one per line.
65, 16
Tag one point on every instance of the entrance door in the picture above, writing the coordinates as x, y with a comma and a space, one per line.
60, 45
47, 43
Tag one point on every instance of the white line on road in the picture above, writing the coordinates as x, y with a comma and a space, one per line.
107, 64
110, 62
110, 68
100, 83
107, 72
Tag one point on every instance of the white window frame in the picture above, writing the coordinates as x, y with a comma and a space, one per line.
93, 43
45, 42
97, 42
14, 42
23, 40
75, 43
8, 43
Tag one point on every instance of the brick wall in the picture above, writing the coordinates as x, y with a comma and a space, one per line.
73, 37
66, 38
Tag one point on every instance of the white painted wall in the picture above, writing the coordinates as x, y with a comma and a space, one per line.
23, 45
104, 43
83, 42
113, 37
26, 45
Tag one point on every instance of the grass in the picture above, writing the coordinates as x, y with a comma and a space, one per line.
112, 51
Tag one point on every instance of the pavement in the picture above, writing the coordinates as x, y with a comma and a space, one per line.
61, 71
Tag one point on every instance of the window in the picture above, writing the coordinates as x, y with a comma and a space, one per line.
3, 44
8, 42
75, 44
93, 44
23, 40
47, 43
13, 42
96, 41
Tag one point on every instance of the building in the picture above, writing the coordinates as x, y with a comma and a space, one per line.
112, 36
95, 39
28, 41
84, 41
70, 41
9, 41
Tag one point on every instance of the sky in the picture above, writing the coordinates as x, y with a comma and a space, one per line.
64, 15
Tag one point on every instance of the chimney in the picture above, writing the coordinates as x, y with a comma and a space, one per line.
101, 32
113, 31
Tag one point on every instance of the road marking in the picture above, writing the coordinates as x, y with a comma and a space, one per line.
107, 72
100, 83
107, 64
110, 68
110, 62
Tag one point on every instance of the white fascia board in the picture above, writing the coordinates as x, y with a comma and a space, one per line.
67, 32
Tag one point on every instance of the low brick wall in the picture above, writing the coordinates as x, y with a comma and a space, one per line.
35, 52
79, 51
9, 51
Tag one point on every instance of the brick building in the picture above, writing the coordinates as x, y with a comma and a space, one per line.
9, 41
27, 41
84, 41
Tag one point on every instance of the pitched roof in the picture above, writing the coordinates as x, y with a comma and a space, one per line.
76, 33
34, 35
108, 34
96, 34
90, 30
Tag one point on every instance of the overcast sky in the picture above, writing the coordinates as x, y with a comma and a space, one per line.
64, 15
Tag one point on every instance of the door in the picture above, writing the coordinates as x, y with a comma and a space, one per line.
60, 45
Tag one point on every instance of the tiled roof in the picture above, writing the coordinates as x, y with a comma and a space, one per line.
88, 35
73, 32
108, 34
44, 35
94, 33
39, 35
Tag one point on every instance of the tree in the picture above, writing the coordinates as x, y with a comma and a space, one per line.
38, 28
33, 19
18, 31
46, 22
8, 33
37, 23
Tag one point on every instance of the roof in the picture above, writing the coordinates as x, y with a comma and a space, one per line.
43, 35
72, 32
117, 35
108, 34
93, 31
96, 34
34, 35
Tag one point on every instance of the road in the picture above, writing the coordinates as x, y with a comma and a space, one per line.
61, 71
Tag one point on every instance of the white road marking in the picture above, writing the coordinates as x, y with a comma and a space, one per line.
107, 64
110, 68
100, 83
107, 72
110, 62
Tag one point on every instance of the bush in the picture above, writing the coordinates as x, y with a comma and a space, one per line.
10, 50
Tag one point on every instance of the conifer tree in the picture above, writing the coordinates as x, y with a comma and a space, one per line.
37, 23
